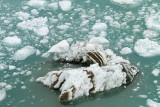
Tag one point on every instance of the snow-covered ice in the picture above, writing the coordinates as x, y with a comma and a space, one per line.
65, 5
98, 27
62, 46
125, 50
12, 41
147, 48
114, 72
24, 53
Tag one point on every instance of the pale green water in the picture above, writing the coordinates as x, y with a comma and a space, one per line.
37, 95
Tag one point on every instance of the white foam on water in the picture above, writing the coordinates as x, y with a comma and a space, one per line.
24, 53
147, 48
65, 5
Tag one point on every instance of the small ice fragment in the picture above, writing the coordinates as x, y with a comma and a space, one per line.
152, 22
99, 40
43, 31
156, 72
34, 12
24, 53
62, 46
37, 3
2, 94
12, 41
65, 5
152, 103
147, 48
53, 6
22, 15
125, 50
11, 67
98, 27
150, 34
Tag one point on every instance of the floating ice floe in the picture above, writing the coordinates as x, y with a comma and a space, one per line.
62, 46
12, 41
3, 88
22, 15
65, 5
99, 40
107, 71
2, 94
125, 51
153, 22
98, 27
152, 103
53, 6
147, 48
156, 72
150, 34
37, 3
127, 3
38, 25
34, 12
24, 53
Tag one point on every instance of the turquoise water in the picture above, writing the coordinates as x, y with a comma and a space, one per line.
26, 92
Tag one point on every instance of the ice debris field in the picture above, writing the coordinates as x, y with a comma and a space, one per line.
40, 36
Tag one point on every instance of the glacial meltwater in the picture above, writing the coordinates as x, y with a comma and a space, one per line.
30, 31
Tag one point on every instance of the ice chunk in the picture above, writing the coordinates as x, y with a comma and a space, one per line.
127, 3
98, 27
153, 22
37, 3
125, 50
11, 67
124, 1
152, 103
62, 46
150, 34
43, 31
53, 6
99, 40
147, 48
38, 25
65, 5
2, 94
12, 41
34, 12
22, 15
24, 53
156, 72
